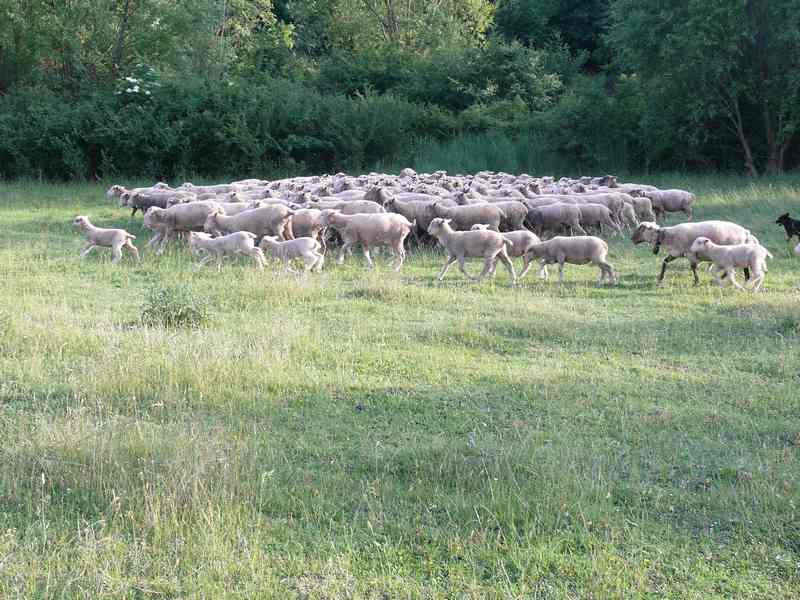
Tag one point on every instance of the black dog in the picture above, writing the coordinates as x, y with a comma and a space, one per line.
792, 226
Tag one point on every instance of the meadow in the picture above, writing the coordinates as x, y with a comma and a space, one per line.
360, 434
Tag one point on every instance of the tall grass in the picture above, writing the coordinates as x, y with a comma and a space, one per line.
379, 435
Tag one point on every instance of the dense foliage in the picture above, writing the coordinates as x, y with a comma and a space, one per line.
211, 87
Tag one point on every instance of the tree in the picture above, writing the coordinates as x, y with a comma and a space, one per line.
735, 60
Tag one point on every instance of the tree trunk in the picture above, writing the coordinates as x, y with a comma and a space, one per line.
116, 54
749, 163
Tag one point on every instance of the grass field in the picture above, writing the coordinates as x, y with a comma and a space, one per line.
379, 435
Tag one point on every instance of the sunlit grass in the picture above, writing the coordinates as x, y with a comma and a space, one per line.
371, 435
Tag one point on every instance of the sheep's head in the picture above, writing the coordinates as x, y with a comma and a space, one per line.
438, 225
268, 241
114, 190
479, 227
161, 185
82, 222
700, 245
328, 217
125, 198
647, 231
211, 226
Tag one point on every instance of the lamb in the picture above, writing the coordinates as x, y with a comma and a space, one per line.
240, 242
577, 250
553, 217
272, 219
306, 248
521, 241
98, 237
726, 258
370, 230
489, 245
464, 217
678, 240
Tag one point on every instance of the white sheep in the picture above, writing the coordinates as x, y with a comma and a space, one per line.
482, 243
727, 258
306, 248
240, 242
576, 250
98, 237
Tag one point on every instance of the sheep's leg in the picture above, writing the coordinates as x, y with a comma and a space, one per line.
207, 259
693, 264
560, 271
86, 249
370, 264
133, 212
508, 265
487, 266
133, 250
668, 259
318, 264
746, 273
580, 229
345, 249
219, 261
258, 255
400, 258
526, 264
732, 278
308, 262
447, 265
543, 274
688, 211
607, 271
756, 281
116, 253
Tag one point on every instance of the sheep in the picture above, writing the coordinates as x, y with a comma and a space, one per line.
599, 215
98, 237
520, 240
143, 200
240, 242
678, 240
306, 248
665, 201
167, 222
489, 245
272, 219
370, 230
307, 222
577, 250
348, 207
514, 213
417, 211
553, 217
726, 258
629, 218
464, 217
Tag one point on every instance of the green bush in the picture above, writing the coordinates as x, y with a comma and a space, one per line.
173, 307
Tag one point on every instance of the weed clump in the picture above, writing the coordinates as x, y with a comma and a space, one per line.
174, 307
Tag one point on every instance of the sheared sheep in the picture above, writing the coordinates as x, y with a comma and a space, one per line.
271, 219
370, 230
464, 217
306, 248
168, 222
240, 242
482, 243
578, 250
727, 258
98, 237
678, 240
553, 217
665, 201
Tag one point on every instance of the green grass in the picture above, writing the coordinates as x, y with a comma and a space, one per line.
377, 435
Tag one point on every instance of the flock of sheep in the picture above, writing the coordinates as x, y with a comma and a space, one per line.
492, 216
